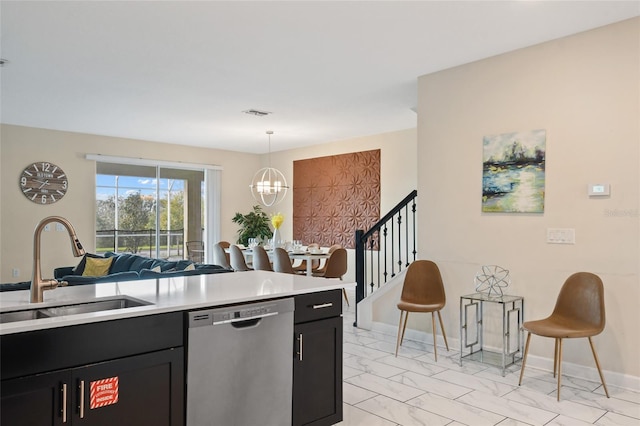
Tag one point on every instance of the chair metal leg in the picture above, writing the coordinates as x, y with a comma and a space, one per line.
433, 327
443, 333
524, 357
595, 356
559, 366
401, 331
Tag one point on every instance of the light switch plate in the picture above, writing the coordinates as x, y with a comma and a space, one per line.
561, 236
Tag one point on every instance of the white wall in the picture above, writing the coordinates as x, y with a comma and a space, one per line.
584, 90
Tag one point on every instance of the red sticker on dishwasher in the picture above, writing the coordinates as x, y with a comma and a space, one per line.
103, 392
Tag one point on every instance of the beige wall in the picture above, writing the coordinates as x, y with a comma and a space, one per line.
398, 167
584, 90
20, 146
398, 171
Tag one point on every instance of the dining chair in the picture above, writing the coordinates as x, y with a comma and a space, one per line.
261, 260
336, 268
220, 257
323, 266
422, 291
579, 312
195, 251
282, 261
302, 267
237, 259
225, 245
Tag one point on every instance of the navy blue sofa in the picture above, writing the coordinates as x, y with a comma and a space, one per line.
128, 267
125, 267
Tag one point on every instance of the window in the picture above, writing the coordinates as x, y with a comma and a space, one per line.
154, 210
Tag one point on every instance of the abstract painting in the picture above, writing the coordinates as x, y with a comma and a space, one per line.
513, 172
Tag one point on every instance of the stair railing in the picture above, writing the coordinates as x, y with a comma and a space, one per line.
385, 249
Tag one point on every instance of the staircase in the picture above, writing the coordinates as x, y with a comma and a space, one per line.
386, 249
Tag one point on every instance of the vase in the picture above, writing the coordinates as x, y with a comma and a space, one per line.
277, 238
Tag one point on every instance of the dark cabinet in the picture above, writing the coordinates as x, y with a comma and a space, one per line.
124, 390
139, 390
317, 365
34, 400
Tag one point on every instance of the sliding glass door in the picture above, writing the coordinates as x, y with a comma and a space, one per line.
149, 210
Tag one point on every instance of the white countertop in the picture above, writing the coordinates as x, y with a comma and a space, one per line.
166, 295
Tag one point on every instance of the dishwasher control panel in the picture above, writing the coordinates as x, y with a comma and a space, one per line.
232, 314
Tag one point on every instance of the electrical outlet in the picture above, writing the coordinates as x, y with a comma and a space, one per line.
15, 272
59, 227
47, 227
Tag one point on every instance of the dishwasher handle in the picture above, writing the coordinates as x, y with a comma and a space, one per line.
249, 323
235, 321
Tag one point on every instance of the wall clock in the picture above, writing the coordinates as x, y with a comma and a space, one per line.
43, 182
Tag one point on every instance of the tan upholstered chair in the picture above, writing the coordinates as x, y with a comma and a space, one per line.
220, 257
237, 259
422, 291
261, 259
336, 268
579, 312
323, 267
282, 262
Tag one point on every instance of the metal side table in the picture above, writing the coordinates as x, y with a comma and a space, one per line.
472, 307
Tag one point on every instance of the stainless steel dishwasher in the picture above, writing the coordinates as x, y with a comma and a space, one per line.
239, 365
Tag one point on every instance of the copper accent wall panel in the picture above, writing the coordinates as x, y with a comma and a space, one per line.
333, 196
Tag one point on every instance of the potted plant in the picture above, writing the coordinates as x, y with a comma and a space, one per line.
254, 224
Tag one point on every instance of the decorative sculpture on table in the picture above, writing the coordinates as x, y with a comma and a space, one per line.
492, 279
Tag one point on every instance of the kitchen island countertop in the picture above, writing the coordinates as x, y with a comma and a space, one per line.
165, 295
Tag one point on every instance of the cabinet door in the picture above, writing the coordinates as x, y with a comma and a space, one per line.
150, 391
317, 373
36, 400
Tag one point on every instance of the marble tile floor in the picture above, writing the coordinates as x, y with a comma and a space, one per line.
412, 389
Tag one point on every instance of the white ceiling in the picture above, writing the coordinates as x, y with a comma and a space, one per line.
183, 72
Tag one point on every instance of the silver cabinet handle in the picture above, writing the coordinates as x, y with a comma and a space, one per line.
324, 305
64, 403
81, 399
300, 351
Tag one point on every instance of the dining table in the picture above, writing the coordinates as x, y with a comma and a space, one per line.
309, 257
293, 255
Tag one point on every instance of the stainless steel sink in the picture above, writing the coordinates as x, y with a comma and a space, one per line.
97, 305
28, 314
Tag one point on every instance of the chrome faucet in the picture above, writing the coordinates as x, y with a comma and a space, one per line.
38, 285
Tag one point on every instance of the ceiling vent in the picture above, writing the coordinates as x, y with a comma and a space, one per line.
257, 112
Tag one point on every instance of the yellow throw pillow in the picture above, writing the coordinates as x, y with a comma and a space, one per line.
97, 267
190, 267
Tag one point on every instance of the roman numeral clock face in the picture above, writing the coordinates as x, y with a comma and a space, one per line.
43, 183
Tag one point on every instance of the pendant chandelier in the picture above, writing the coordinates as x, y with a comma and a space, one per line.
269, 186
